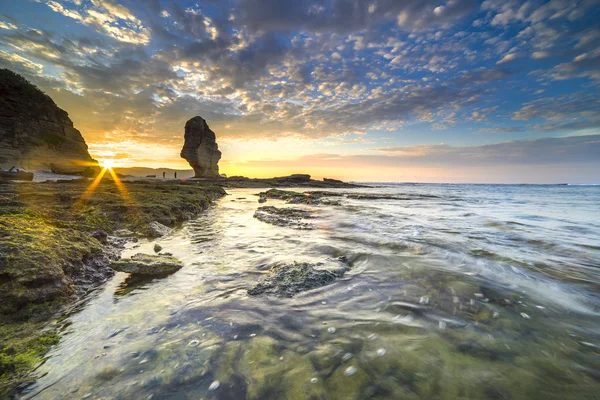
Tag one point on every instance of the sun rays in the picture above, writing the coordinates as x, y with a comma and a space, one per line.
107, 166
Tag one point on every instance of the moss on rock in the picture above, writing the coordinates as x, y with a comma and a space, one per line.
52, 247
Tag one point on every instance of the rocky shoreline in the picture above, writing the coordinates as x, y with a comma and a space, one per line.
59, 242
57, 247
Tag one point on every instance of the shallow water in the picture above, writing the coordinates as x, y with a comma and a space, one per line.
457, 291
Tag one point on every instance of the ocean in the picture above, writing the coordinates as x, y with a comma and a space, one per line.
452, 291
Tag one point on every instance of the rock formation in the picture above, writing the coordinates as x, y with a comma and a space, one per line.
35, 133
200, 149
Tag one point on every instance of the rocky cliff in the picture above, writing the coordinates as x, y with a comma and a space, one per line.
35, 133
200, 149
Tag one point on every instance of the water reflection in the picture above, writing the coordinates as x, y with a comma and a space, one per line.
438, 303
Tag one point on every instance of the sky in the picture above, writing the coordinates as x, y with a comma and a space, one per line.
497, 91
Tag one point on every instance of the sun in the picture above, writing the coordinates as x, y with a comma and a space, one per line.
108, 164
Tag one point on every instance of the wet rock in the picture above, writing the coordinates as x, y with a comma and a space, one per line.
281, 194
123, 233
101, 236
156, 229
286, 280
329, 180
291, 197
157, 248
145, 264
288, 217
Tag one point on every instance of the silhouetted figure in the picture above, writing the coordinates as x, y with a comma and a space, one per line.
164, 174
175, 174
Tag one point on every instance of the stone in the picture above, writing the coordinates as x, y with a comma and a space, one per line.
287, 217
36, 134
285, 280
145, 264
123, 233
156, 229
200, 149
157, 248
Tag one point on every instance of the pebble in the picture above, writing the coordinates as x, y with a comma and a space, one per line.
496, 314
478, 295
214, 386
347, 356
373, 336
235, 337
350, 371
253, 335
323, 302
381, 352
194, 343
424, 300
314, 380
331, 329
525, 316
442, 325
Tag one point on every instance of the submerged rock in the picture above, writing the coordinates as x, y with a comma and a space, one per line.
288, 217
292, 197
145, 264
200, 149
286, 280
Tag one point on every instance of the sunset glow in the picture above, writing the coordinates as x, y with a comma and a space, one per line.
386, 90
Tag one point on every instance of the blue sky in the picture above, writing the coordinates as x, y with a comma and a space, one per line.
389, 89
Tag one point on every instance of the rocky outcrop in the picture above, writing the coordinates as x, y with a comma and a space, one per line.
287, 217
35, 133
285, 280
200, 149
145, 264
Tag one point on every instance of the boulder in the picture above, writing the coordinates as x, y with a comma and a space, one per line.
200, 149
285, 280
287, 217
145, 264
36, 134
156, 229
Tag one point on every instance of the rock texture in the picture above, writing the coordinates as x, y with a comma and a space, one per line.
145, 264
35, 133
287, 280
200, 149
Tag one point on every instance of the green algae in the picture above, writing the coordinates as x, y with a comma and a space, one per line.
288, 279
48, 234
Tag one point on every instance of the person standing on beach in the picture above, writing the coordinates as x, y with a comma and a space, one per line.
175, 174
164, 174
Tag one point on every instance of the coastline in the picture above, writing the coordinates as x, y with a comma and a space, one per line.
57, 248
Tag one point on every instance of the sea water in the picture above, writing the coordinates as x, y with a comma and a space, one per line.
453, 291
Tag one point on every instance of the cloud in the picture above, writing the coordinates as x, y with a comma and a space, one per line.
567, 150
308, 68
106, 17
508, 58
9, 59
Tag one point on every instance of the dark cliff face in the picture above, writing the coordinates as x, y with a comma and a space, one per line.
200, 148
34, 132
